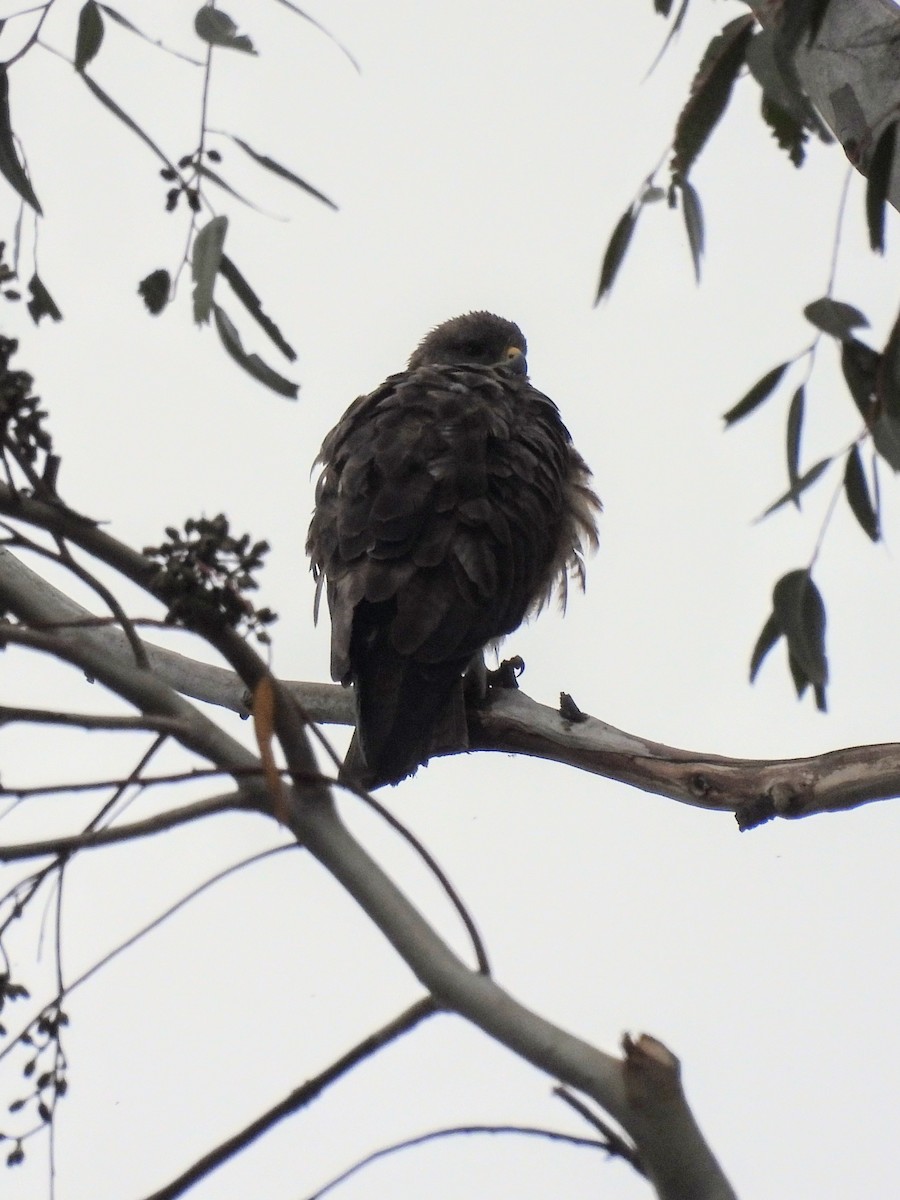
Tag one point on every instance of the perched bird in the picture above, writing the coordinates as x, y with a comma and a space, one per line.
451, 506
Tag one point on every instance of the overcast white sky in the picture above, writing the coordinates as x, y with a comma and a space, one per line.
480, 160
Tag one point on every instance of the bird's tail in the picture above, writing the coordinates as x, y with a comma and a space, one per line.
406, 713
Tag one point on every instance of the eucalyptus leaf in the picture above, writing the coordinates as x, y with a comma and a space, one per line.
41, 303
757, 394
798, 607
282, 172
205, 260
90, 34
794, 429
806, 480
251, 302
693, 221
251, 363
857, 492
615, 251
835, 317
10, 167
770, 634
216, 28
878, 184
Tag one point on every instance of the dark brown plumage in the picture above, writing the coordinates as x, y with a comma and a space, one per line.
451, 506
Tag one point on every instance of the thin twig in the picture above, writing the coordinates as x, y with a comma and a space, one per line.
615, 1143
299, 1098
432, 864
35, 33
64, 557
143, 931
133, 778
92, 838
96, 785
10, 714
454, 1131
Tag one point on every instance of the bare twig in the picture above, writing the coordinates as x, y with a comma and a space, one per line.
9, 714
299, 1098
92, 838
455, 1131
143, 931
613, 1142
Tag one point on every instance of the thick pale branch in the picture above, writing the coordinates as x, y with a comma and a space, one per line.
99, 654
676, 1157
753, 789
512, 723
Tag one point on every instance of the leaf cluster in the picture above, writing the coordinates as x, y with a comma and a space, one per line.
217, 32
23, 436
785, 108
205, 572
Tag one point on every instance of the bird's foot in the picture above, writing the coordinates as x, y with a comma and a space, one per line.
507, 674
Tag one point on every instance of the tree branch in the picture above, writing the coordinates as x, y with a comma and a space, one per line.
299, 1098
232, 802
677, 1159
754, 790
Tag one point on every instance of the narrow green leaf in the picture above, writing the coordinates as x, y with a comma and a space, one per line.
710, 92
887, 374
41, 303
835, 317
251, 302
251, 363
216, 28
673, 30
806, 480
794, 429
282, 172
90, 34
205, 260
108, 102
757, 394
859, 364
886, 438
154, 290
886, 429
798, 607
770, 634
321, 28
693, 222
615, 251
10, 167
211, 175
857, 492
801, 683
878, 183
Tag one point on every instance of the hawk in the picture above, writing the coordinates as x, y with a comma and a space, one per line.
451, 506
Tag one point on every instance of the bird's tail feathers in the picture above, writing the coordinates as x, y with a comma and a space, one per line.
413, 712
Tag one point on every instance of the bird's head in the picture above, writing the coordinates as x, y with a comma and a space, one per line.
475, 337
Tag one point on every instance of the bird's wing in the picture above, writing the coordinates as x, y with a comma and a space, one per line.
443, 496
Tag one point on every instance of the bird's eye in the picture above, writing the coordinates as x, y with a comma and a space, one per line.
512, 352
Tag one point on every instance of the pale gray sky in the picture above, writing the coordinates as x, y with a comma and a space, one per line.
480, 161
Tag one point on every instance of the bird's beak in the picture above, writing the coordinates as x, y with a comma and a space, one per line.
515, 361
